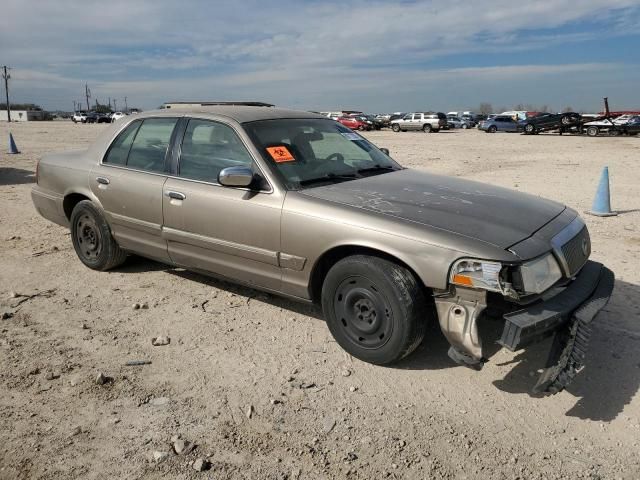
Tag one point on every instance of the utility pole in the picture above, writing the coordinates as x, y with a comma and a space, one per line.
87, 94
6, 77
115, 108
126, 108
109, 103
74, 106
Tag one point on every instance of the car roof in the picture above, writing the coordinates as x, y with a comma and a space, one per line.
239, 113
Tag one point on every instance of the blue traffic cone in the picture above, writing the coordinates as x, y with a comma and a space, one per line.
12, 145
602, 203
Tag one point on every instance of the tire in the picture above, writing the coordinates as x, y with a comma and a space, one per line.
92, 239
566, 120
464, 126
530, 129
375, 309
593, 131
492, 129
395, 127
361, 128
426, 128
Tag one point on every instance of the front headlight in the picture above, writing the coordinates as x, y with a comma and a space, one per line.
540, 274
477, 274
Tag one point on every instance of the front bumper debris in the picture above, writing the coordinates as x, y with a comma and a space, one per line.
568, 316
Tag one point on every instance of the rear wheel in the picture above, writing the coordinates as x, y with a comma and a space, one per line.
565, 120
395, 127
593, 131
465, 126
529, 129
426, 128
375, 309
92, 239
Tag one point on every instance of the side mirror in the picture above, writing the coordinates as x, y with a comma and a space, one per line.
235, 177
385, 151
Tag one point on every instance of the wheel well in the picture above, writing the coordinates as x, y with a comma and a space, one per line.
331, 257
70, 201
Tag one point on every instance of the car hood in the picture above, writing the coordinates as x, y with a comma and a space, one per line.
493, 215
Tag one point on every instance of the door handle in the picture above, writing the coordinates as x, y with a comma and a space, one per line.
175, 195
102, 180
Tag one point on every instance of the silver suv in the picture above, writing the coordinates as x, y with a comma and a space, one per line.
427, 122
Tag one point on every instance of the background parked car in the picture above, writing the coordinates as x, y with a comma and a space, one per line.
383, 120
79, 117
609, 126
354, 123
117, 116
457, 122
92, 117
103, 118
482, 121
500, 123
550, 121
427, 122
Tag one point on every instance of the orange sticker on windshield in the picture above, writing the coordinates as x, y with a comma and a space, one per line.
280, 154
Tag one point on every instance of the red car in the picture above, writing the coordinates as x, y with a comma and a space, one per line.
354, 123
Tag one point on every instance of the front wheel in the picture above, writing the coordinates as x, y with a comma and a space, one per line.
529, 129
395, 127
492, 129
465, 126
375, 309
92, 239
593, 131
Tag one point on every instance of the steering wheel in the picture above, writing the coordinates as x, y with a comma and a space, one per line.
338, 156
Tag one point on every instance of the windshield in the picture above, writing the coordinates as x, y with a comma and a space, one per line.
307, 153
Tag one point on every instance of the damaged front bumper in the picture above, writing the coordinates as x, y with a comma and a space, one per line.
567, 315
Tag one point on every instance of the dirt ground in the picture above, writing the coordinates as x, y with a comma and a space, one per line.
257, 383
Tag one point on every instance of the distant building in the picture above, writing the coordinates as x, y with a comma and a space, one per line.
23, 115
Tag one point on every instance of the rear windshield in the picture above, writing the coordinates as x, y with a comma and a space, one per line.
306, 153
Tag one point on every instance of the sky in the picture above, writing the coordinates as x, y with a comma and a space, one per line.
370, 55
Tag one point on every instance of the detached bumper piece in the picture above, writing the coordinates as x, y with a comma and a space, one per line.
568, 315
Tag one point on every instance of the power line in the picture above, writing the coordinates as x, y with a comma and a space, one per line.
6, 77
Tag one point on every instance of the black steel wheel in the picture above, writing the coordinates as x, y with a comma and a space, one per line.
92, 239
87, 236
375, 309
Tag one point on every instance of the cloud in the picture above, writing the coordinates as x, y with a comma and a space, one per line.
305, 53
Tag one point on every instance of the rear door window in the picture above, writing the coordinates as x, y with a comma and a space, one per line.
119, 149
151, 143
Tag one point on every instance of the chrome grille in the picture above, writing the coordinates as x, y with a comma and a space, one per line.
576, 251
